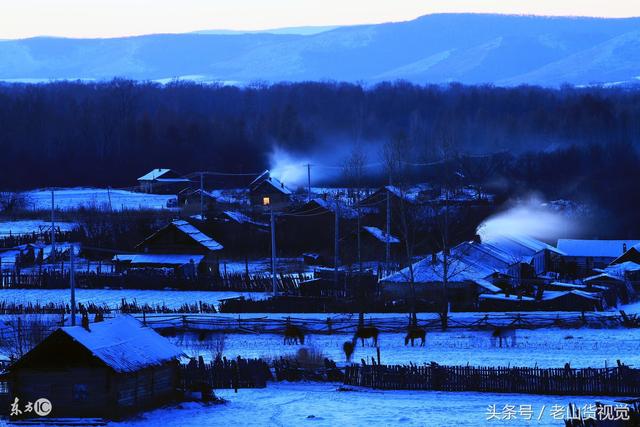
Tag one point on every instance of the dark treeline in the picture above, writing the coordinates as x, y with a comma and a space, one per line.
575, 143
69, 133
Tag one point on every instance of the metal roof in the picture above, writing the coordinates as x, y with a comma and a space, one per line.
197, 235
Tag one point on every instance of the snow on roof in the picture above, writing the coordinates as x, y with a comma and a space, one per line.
277, 184
242, 218
425, 271
568, 285
503, 297
487, 285
265, 177
154, 174
472, 260
551, 295
259, 178
381, 235
197, 235
595, 248
124, 344
603, 276
622, 268
517, 245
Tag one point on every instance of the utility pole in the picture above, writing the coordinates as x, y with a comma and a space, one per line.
72, 284
387, 245
308, 182
336, 247
53, 229
201, 198
109, 196
274, 282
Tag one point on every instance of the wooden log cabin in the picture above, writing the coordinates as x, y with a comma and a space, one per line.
107, 369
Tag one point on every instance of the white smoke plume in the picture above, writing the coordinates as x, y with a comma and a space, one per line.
529, 217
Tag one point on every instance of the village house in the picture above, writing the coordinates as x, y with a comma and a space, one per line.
178, 245
106, 369
266, 190
502, 264
163, 181
582, 256
465, 282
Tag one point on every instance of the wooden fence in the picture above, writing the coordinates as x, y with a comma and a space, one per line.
619, 381
92, 280
224, 373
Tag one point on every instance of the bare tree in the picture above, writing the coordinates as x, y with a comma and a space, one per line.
354, 172
396, 154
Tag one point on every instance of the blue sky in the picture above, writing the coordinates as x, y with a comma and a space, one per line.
109, 18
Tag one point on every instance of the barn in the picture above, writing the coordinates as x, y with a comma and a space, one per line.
108, 369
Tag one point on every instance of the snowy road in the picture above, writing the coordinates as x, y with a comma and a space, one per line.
296, 404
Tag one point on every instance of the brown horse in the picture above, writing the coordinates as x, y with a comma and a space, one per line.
414, 333
366, 332
293, 335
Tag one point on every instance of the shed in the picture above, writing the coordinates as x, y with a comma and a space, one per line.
110, 369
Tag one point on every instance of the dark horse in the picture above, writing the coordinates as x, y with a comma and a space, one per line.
414, 333
348, 348
503, 333
293, 335
366, 332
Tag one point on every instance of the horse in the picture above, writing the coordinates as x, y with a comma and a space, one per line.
504, 332
413, 333
293, 335
366, 332
348, 348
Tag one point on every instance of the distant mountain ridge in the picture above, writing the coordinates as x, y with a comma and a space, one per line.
441, 48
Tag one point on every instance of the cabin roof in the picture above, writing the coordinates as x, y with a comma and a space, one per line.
381, 235
123, 344
266, 178
595, 248
158, 174
197, 235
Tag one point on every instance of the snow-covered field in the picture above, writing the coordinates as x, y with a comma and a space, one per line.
296, 404
543, 348
30, 226
113, 297
99, 198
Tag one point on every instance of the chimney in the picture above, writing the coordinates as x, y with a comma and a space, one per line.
434, 258
624, 247
477, 239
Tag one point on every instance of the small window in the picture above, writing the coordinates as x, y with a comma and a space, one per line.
266, 201
80, 393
